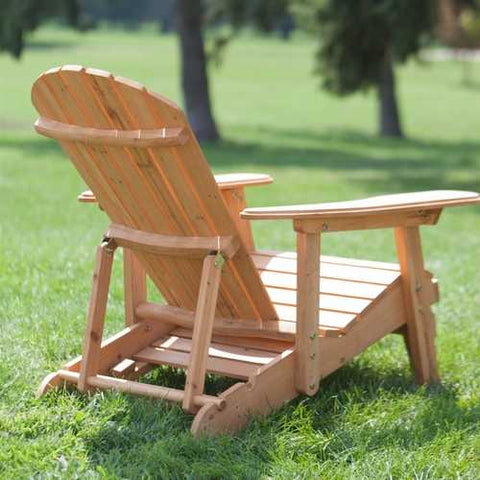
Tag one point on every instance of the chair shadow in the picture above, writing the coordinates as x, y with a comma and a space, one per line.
149, 426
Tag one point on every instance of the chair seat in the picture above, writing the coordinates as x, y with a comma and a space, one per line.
348, 287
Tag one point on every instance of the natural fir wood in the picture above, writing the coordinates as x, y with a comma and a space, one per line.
234, 199
171, 244
134, 285
202, 331
307, 374
229, 181
164, 137
137, 388
366, 222
420, 332
277, 321
96, 314
269, 388
383, 204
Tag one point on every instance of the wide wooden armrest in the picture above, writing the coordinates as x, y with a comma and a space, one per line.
381, 205
235, 180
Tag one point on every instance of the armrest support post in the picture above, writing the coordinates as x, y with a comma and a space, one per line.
234, 199
307, 376
420, 330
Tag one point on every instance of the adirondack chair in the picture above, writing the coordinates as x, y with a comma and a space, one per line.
278, 322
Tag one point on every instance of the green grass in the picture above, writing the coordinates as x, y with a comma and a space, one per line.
368, 420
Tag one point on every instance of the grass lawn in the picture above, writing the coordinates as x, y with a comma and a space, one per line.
368, 420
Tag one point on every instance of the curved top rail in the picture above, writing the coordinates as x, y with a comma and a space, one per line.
143, 138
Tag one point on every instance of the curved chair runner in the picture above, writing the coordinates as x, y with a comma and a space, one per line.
277, 321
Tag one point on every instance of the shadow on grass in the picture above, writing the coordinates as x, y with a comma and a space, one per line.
378, 165
151, 439
49, 45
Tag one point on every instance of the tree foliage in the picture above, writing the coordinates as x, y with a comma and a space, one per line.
17, 17
357, 35
262, 14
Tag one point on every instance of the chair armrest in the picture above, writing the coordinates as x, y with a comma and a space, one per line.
235, 180
225, 182
373, 206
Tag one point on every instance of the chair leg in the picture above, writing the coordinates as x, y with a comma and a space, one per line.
135, 285
420, 328
96, 313
307, 376
202, 332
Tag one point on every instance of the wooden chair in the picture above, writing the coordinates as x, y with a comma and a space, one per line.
277, 321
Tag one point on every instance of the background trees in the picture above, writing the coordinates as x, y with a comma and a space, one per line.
17, 17
361, 40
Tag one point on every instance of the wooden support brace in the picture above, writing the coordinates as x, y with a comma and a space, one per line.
307, 370
96, 313
420, 330
202, 330
135, 285
234, 199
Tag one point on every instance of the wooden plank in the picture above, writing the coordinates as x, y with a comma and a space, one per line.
341, 272
234, 199
356, 262
326, 318
164, 393
367, 222
96, 314
332, 286
420, 319
336, 303
269, 388
140, 138
134, 285
170, 245
383, 204
220, 350
202, 331
219, 366
384, 317
251, 343
123, 368
274, 329
307, 375
228, 181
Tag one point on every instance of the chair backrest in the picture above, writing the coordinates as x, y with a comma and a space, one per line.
137, 153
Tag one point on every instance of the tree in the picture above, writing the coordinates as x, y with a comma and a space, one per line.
194, 70
17, 17
360, 40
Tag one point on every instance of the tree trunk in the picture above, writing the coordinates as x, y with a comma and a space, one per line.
388, 108
194, 70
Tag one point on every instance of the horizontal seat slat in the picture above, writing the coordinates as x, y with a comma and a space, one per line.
219, 366
331, 286
241, 354
355, 262
327, 302
327, 320
327, 270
